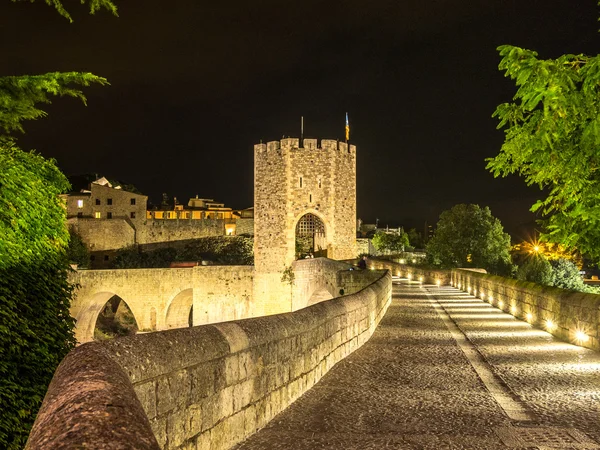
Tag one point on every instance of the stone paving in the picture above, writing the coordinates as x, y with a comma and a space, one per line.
445, 370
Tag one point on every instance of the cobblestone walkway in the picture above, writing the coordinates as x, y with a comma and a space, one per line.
447, 371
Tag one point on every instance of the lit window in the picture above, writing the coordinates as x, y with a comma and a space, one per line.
80, 203
98, 215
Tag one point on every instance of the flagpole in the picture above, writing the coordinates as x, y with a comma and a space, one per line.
301, 129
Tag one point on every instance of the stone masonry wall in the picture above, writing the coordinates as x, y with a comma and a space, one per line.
569, 311
430, 276
104, 235
209, 386
168, 230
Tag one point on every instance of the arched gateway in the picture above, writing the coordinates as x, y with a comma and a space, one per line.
303, 196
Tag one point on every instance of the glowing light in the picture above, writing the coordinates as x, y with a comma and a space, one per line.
469, 289
420, 279
536, 248
414, 261
500, 304
438, 282
459, 285
475, 292
529, 317
580, 336
513, 310
482, 295
550, 325
402, 261
409, 276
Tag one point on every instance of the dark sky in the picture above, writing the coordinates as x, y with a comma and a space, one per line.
195, 84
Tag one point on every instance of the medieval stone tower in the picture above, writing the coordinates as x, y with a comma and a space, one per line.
301, 195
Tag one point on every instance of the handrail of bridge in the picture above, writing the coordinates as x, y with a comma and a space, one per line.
211, 385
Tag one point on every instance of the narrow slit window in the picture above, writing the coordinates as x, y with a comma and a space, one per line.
300, 181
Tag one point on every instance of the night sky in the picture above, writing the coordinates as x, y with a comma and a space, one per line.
194, 85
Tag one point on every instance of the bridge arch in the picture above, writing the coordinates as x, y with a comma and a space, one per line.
180, 310
87, 318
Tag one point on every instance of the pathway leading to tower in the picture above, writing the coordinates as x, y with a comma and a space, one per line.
447, 370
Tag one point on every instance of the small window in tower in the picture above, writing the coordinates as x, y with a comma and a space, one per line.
133, 202
310, 198
132, 215
320, 184
300, 181
109, 201
80, 203
97, 201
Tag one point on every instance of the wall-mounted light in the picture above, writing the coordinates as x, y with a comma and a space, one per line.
581, 337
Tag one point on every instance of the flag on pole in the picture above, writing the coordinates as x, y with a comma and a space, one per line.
347, 128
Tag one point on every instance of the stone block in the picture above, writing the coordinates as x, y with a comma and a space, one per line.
146, 393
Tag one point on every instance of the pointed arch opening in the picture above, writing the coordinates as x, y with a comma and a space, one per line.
114, 320
181, 310
310, 237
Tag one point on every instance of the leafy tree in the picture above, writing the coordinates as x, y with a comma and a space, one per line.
36, 329
415, 238
552, 136
469, 236
77, 251
390, 242
566, 275
536, 269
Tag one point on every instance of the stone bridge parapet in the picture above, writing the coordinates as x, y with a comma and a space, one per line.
206, 386
569, 315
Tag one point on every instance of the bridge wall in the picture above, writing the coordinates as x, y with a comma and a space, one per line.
162, 298
569, 311
202, 387
430, 276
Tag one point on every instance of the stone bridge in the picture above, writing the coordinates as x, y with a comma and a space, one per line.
162, 299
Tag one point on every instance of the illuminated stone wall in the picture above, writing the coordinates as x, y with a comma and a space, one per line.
167, 230
569, 312
202, 387
290, 182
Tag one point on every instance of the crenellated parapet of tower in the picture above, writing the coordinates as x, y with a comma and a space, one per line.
290, 182
291, 144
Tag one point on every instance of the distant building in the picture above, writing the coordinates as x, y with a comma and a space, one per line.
109, 218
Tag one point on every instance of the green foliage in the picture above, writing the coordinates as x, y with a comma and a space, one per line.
390, 242
20, 95
469, 236
288, 276
36, 330
552, 137
95, 5
415, 239
77, 252
225, 250
565, 275
536, 269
